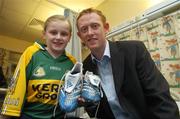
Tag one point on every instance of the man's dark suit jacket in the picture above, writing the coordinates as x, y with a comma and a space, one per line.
141, 88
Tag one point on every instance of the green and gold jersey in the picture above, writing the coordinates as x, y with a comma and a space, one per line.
36, 83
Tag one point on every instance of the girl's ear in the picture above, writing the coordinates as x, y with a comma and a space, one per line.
43, 34
70, 37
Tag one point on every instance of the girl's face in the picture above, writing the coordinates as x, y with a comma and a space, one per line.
57, 35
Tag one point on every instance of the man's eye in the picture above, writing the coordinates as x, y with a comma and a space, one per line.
84, 29
94, 26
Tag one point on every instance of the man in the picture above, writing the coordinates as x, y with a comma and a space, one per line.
133, 87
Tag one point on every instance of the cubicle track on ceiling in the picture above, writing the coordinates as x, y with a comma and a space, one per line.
150, 14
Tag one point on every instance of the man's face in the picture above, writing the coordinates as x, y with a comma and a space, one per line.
92, 31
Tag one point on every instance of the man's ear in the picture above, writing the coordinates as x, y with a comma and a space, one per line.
106, 27
78, 33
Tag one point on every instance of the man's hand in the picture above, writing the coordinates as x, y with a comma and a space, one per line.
81, 101
84, 103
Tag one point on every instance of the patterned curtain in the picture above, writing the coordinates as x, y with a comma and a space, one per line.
74, 46
162, 39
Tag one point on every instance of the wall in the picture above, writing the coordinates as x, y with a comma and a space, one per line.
118, 11
13, 44
11, 50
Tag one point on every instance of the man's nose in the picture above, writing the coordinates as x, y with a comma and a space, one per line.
90, 30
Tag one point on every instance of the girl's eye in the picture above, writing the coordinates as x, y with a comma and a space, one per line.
53, 32
64, 34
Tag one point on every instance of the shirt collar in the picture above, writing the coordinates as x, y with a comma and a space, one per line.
106, 53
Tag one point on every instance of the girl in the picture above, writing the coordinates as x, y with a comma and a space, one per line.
35, 85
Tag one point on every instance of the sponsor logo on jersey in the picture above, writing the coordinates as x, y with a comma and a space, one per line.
12, 101
55, 68
39, 72
44, 91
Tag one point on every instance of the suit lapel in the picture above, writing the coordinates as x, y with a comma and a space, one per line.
89, 65
117, 61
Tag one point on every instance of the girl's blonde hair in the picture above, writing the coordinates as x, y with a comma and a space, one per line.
55, 18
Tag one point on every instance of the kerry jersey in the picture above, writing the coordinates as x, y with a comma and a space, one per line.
36, 82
